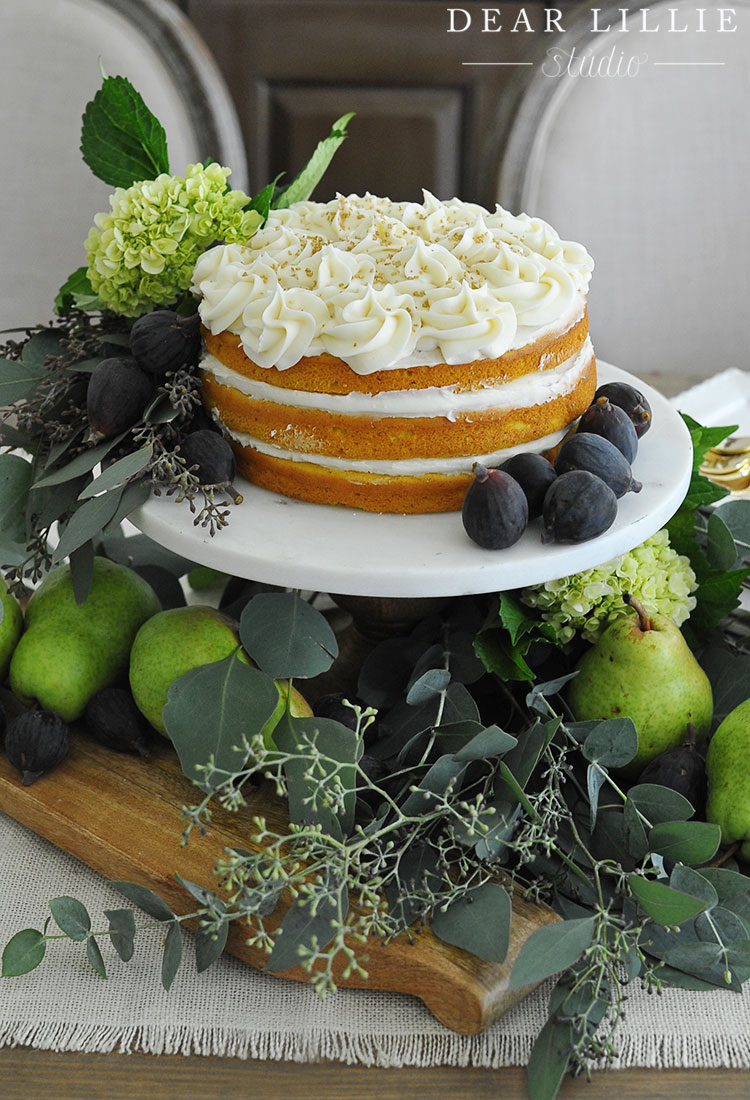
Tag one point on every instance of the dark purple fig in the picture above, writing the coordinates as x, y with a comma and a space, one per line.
586, 451
118, 392
578, 506
682, 769
604, 418
112, 717
208, 455
631, 401
36, 742
534, 473
164, 341
495, 513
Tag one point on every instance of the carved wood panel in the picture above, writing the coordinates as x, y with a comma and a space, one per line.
425, 99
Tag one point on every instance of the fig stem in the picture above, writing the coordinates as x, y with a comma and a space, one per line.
643, 620
689, 742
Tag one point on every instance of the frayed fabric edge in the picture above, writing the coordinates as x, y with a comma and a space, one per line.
381, 1051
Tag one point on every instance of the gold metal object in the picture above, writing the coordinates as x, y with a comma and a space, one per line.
728, 464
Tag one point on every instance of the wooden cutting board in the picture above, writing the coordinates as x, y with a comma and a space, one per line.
120, 814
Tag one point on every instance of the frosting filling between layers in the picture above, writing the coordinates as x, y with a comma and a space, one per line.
433, 401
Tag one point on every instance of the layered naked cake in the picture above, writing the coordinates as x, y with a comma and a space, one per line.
366, 352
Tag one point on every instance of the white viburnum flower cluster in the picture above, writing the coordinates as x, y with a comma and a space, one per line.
587, 602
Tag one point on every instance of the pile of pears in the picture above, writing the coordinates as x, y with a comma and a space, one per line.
108, 663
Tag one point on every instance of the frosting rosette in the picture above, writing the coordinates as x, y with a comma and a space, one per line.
379, 283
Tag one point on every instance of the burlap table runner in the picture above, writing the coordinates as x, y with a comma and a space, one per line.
234, 1011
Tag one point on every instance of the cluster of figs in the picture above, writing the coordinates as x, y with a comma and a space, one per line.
576, 494
122, 388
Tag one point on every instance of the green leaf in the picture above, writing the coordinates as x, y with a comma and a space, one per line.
729, 674
431, 683
122, 931
663, 904
720, 548
145, 899
119, 472
18, 380
137, 550
310, 922
76, 293
549, 1061
486, 744
286, 637
305, 183
263, 201
689, 881
71, 917
635, 833
83, 463
550, 949
172, 957
87, 522
121, 140
685, 841
15, 481
479, 922
595, 780
23, 953
612, 743
659, 804
209, 946
211, 709
82, 571
735, 514
94, 956
446, 772
340, 749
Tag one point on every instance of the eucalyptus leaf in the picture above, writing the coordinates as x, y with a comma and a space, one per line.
729, 885
431, 683
446, 772
86, 523
145, 899
209, 946
119, 472
71, 917
211, 709
339, 749
418, 878
720, 548
535, 699
486, 744
635, 833
549, 1060
15, 480
612, 743
686, 841
19, 379
735, 515
139, 549
40, 346
94, 956
549, 949
310, 922
659, 804
455, 736
122, 931
23, 953
82, 571
478, 922
286, 636
83, 463
689, 881
172, 956
595, 780
663, 904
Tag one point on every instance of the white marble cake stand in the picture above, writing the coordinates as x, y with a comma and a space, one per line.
277, 540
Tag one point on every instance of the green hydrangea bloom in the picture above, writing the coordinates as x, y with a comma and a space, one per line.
142, 253
587, 602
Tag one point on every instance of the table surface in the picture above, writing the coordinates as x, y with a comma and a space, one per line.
36, 1075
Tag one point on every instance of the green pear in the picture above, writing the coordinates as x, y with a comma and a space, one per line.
728, 775
642, 668
68, 651
180, 639
11, 627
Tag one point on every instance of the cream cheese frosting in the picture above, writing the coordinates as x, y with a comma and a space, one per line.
383, 284
531, 389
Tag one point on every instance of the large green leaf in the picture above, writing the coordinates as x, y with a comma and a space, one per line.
479, 922
18, 380
337, 749
71, 917
689, 842
663, 904
309, 923
304, 184
211, 708
87, 522
612, 743
119, 472
121, 140
287, 637
550, 949
15, 480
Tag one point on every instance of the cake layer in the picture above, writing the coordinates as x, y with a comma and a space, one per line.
327, 374
431, 423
